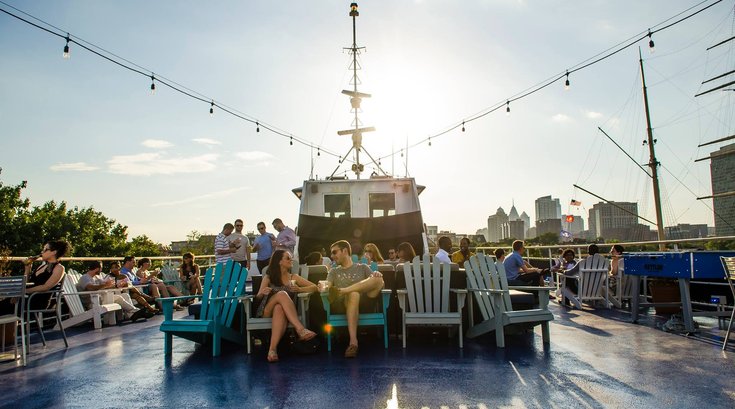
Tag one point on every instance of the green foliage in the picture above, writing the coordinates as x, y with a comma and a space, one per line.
24, 229
198, 244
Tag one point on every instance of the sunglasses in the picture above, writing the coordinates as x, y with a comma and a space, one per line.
238, 225
261, 228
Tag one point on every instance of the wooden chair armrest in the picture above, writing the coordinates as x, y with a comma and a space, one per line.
167, 300
402, 298
530, 288
303, 295
458, 290
487, 290
461, 297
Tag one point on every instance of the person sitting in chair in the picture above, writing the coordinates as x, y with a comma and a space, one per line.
519, 271
91, 281
348, 282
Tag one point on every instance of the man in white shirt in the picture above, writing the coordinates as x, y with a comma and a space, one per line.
91, 281
445, 246
241, 244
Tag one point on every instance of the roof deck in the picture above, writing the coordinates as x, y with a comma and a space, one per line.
596, 359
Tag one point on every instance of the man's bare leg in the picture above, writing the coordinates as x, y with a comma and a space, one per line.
371, 286
352, 310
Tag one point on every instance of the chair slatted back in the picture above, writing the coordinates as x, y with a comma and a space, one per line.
225, 280
13, 287
496, 269
427, 285
237, 279
170, 275
70, 286
593, 271
304, 271
476, 280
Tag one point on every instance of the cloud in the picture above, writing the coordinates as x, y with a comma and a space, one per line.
255, 156
213, 195
561, 118
207, 141
593, 114
156, 143
73, 167
146, 164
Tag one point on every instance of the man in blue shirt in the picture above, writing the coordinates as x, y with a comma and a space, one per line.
263, 244
519, 271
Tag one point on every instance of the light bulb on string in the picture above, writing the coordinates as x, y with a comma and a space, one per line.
211, 108
566, 83
257, 126
318, 151
340, 159
290, 142
462, 126
430, 141
401, 152
507, 108
651, 45
153, 85
66, 48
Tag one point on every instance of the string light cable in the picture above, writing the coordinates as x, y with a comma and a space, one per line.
595, 59
162, 80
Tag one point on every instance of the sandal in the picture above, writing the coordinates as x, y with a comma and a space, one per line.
306, 334
272, 356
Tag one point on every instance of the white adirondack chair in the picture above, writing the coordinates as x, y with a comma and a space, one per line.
102, 304
592, 279
427, 290
170, 276
486, 280
254, 323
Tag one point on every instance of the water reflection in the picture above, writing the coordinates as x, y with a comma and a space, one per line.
392, 403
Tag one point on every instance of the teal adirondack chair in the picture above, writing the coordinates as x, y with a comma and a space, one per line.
374, 318
223, 286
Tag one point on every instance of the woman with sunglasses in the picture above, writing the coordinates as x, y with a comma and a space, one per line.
276, 296
371, 253
189, 274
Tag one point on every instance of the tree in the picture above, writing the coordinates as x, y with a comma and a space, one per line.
23, 229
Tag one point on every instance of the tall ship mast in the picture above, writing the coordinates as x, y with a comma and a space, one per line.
380, 209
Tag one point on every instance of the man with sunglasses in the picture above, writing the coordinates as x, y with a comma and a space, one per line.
263, 244
348, 282
241, 243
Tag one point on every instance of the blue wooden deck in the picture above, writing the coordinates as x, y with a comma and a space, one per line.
596, 359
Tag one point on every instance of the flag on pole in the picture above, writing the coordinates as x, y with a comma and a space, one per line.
566, 234
576, 203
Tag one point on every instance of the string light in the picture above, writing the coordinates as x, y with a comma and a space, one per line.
153, 85
257, 126
340, 159
651, 45
507, 108
66, 47
318, 151
401, 152
462, 126
566, 83
290, 142
430, 141
211, 108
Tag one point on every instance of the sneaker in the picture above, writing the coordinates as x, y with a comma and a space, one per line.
351, 351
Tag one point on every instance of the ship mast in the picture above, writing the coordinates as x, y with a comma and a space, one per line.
355, 101
652, 163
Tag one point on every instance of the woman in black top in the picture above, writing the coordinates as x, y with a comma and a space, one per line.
48, 275
189, 274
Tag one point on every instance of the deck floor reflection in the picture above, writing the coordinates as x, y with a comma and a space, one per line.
596, 359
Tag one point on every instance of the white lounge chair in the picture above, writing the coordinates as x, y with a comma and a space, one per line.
102, 304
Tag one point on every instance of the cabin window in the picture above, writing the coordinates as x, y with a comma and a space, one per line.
336, 205
382, 204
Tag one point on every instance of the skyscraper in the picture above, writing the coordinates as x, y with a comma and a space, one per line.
547, 208
722, 169
494, 223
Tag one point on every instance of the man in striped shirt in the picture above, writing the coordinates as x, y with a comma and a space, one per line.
223, 249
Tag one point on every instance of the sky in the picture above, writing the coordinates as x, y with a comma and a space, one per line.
90, 133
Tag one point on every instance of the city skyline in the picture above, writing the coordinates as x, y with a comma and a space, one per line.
87, 132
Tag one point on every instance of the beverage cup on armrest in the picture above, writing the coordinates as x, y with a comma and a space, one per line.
323, 285
293, 283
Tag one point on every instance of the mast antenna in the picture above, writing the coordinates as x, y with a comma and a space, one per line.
355, 101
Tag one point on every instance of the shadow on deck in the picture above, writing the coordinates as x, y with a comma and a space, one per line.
596, 359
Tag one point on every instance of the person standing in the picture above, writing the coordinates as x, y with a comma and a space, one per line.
223, 248
286, 239
241, 244
263, 244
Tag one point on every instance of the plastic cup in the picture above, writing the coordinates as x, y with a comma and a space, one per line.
323, 285
293, 282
